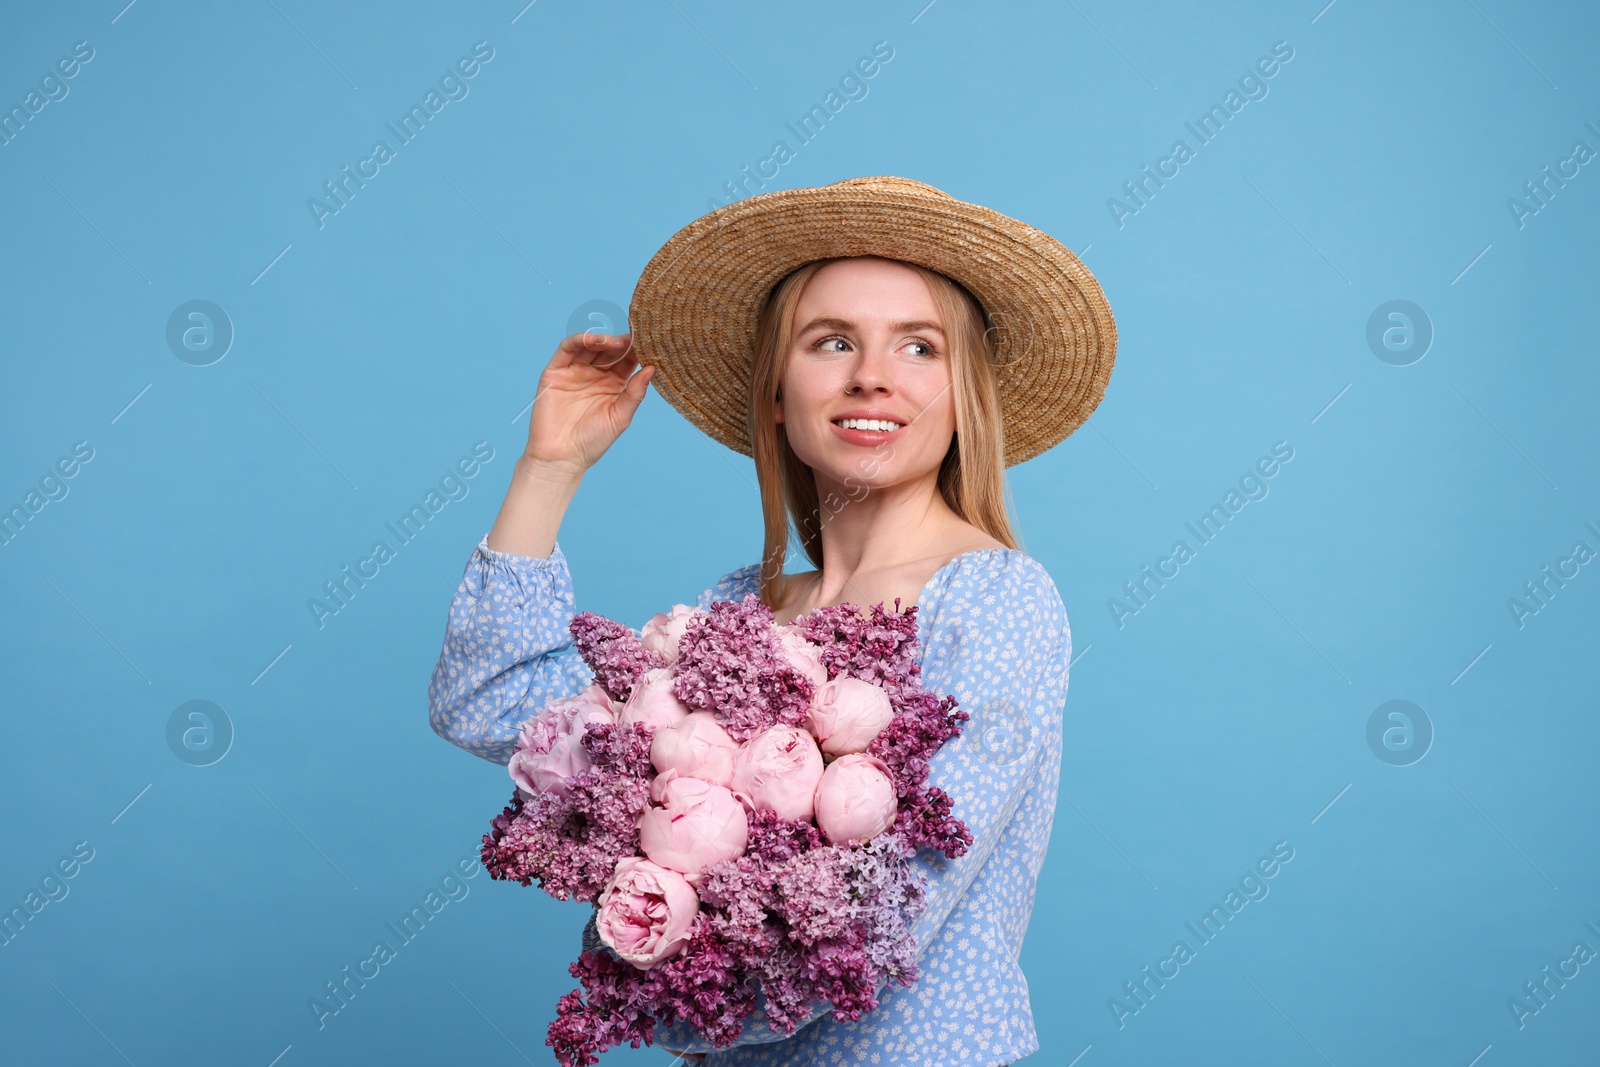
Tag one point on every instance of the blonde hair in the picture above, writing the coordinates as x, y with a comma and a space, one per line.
971, 477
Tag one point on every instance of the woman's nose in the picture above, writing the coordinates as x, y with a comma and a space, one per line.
871, 370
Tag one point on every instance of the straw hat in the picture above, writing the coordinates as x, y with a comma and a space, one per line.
695, 309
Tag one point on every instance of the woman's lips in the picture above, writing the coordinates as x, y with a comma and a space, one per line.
865, 437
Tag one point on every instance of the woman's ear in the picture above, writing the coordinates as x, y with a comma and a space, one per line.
777, 406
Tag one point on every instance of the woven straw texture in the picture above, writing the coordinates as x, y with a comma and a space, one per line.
695, 309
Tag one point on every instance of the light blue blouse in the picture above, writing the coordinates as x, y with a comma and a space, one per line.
993, 632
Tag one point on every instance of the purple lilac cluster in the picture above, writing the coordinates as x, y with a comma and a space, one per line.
872, 644
730, 664
613, 651
571, 841
815, 921
621, 1004
794, 922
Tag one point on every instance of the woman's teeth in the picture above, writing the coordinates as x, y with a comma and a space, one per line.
868, 424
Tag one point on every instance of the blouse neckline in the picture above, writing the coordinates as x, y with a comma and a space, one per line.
924, 608
953, 561
933, 579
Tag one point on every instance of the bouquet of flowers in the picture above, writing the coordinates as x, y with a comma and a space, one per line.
741, 802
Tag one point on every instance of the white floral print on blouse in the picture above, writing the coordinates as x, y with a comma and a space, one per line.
994, 633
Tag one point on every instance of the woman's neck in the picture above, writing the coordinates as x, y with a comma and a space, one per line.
881, 530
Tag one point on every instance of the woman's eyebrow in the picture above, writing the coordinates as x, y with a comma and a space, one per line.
896, 327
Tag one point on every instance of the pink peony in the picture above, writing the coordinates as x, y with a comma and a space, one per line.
804, 656
697, 825
778, 769
652, 702
646, 912
695, 746
846, 714
662, 632
550, 748
856, 799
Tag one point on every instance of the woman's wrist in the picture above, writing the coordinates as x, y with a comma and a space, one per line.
557, 475
535, 503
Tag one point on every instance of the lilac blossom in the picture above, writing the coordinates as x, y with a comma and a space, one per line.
614, 652
571, 842
874, 645
731, 663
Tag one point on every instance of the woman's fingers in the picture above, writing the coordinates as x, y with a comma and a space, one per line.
588, 340
601, 350
638, 384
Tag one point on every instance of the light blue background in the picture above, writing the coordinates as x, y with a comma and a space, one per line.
1223, 717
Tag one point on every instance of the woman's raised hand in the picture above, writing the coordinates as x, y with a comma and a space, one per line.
587, 396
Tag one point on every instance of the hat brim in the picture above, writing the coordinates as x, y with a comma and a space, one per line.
695, 310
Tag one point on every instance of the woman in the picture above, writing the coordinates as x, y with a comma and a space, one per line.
883, 351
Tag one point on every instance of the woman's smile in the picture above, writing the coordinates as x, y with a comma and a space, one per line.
869, 426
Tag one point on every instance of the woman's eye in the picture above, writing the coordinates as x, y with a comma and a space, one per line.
833, 341
927, 350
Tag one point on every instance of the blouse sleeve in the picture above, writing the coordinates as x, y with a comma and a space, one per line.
507, 650
1000, 643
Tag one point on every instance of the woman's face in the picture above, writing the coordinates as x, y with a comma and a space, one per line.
867, 341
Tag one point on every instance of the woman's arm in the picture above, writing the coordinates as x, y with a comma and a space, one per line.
507, 650
1001, 645
1003, 648
535, 503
